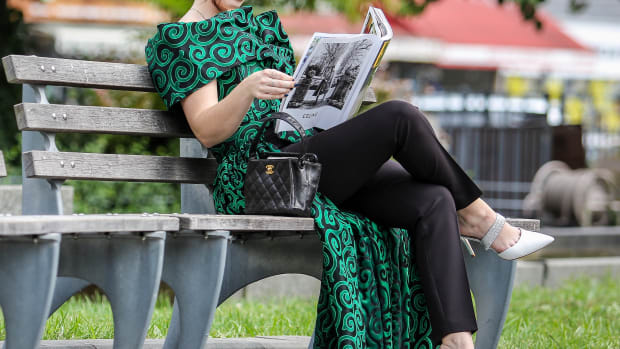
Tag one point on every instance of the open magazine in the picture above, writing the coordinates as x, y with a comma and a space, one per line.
334, 72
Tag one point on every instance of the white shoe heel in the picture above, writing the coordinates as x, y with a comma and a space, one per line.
529, 241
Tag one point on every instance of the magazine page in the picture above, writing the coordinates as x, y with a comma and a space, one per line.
376, 24
369, 23
329, 77
384, 29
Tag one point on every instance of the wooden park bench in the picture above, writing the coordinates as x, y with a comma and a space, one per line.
207, 257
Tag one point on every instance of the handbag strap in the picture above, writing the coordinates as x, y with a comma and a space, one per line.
286, 118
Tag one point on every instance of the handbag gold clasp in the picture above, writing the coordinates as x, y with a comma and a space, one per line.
269, 169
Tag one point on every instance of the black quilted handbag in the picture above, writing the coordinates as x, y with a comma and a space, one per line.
279, 182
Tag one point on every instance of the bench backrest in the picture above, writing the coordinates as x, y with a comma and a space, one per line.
52, 118
40, 121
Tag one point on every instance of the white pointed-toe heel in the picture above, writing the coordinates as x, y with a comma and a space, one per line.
529, 241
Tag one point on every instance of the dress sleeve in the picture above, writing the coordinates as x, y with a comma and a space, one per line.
180, 61
183, 57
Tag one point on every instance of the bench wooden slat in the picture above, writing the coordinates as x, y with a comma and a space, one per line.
2, 166
59, 118
248, 223
78, 73
245, 223
47, 224
116, 167
525, 223
369, 97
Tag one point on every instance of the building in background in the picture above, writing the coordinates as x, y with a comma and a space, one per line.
92, 29
593, 100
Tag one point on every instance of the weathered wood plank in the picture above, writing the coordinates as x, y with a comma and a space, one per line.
369, 97
244, 223
81, 73
529, 224
248, 223
115, 167
70, 72
58, 118
2, 166
47, 224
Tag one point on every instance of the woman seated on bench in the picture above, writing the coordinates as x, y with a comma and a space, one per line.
227, 69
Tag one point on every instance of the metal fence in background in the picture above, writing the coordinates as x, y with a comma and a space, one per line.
501, 160
601, 145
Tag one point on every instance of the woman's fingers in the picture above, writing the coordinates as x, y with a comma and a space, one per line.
276, 74
277, 83
282, 84
269, 96
279, 79
270, 90
270, 84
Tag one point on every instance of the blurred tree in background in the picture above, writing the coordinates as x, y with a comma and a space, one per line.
14, 41
355, 8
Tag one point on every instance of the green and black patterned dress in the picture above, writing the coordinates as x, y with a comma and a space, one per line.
370, 294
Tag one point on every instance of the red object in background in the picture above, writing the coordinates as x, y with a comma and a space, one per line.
486, 22
482, 22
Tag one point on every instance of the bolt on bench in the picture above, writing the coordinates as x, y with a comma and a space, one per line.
208, 257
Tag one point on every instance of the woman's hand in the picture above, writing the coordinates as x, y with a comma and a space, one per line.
268, 84
213, 121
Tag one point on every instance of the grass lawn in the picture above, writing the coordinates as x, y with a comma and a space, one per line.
581, 314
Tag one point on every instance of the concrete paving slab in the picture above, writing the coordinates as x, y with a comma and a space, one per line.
11, 199
276, 342
562, 269
581, 242
286, 285
529, 273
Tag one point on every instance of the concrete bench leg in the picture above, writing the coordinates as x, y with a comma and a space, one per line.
128, 269
65, 288
193, 268
490, 280
257, 259
27, 276
311, 344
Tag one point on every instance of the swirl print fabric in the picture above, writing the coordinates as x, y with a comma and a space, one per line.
370, 294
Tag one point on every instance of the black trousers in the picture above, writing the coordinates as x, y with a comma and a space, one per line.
421, 192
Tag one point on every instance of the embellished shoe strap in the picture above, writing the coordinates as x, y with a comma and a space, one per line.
493, 231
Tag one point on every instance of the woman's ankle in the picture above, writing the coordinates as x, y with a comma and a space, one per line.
475, 219
457, 340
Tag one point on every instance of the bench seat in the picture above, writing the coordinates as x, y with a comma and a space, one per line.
244, 223
84, 224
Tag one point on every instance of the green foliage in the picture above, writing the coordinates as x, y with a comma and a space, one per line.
121, 197
176, 7
14, 40
89, 317
583, 313
354, 8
